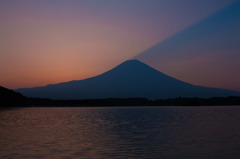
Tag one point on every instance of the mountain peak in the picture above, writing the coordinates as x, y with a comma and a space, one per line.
133, 62
131, 68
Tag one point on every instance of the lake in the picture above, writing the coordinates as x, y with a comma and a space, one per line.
120, 132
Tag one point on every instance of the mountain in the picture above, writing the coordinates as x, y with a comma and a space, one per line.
128, 80
209, 51
9, 97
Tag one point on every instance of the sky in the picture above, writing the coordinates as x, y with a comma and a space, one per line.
206, 53
45, 42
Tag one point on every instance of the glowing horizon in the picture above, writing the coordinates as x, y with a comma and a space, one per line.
46, 42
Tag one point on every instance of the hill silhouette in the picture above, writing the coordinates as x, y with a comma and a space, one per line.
9, 97
131, 79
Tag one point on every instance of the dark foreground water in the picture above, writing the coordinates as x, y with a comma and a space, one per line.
126, 133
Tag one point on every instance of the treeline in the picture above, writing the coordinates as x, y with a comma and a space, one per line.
39, 102
10, 98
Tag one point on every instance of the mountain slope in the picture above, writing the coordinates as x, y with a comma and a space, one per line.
130, 79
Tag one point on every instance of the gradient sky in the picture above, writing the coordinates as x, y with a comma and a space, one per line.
45, 42
206, 53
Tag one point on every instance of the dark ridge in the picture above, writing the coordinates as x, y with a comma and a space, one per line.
111, 102
11, 98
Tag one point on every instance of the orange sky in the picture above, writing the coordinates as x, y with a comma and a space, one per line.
46, 42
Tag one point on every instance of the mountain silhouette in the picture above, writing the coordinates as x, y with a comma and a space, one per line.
131, 79
209, 51
9, 97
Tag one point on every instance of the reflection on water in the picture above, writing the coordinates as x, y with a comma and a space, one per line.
139, 132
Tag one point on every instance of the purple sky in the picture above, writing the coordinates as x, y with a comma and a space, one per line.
206, 53
54, 41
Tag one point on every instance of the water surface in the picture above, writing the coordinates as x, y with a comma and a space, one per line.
127, 132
